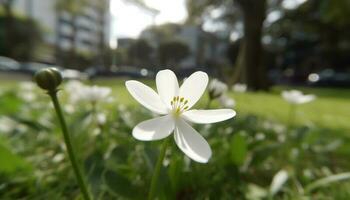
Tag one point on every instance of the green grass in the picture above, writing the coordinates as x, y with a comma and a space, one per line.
331, 109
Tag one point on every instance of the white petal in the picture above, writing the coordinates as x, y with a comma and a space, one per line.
306, 99
167, 85
146, 96
191, 142
208, 116
154, 129
193, 87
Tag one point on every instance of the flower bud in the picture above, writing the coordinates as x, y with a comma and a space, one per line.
48, 78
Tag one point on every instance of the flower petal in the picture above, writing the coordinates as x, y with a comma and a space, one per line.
146, 96
306, 99
208, 116
193, 87
167, 85
191, 142
154, 129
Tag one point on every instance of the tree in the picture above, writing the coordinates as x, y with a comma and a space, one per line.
315, 35
140, 52
251, 14
172, 52
19, 36
250, 55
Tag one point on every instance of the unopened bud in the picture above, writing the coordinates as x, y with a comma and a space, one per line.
48, 78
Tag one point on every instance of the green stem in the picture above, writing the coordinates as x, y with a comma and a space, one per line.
156, 172
69, 146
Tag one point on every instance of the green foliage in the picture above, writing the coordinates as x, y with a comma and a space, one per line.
172, 52
238, 149
248, 151
140, 52
11, 162
17, 35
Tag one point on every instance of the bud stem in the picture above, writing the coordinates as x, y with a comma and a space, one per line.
70, 151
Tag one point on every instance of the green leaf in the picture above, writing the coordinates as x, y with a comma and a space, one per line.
120, 185
11, 162
326, 181
238, 149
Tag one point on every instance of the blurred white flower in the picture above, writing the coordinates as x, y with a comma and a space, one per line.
74, 89
174, 102
27, 91
27, 85
95, 93
278, 180
58, 158
226, 102
79, 92
216, 88
101, 118
297, 97
239, 87
7, 124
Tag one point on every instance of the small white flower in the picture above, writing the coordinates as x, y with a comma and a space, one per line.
79, 92
226, 101
95, 93
216, 88
101, 118
27, 85
239, 87
297, 97
278, 181
27, 91
174, 103
74, 88
7, 124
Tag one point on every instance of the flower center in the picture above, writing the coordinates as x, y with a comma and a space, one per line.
179, 104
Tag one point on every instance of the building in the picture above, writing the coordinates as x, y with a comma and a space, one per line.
205, 47
84, 32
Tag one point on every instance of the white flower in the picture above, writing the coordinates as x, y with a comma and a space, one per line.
101, 118
80, 92
95, 93
239, 87
278, 180
74, 88
297, 97
7, 124
174, 103
27, 91
226, 101
216, 88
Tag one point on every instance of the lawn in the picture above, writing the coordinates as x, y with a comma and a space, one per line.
249, 152
330, 110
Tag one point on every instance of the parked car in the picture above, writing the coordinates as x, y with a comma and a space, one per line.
8, 64
330, 78
72, 74
32, 67
125, 71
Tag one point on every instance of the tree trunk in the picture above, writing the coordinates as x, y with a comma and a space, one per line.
253, 71
9, 24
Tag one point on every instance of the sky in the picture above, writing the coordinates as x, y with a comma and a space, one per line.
128, 20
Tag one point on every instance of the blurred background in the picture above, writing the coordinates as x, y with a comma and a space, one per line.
298, 42
253, 50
